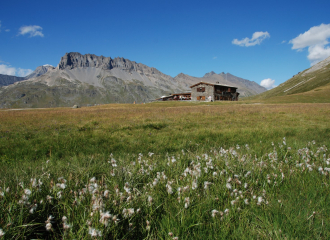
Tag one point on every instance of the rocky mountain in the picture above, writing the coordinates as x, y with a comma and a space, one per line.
41, 70
89, 79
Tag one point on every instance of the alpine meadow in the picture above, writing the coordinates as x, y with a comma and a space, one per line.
164, 120
166, 170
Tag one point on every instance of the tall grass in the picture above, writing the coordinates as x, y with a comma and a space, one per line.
166, 171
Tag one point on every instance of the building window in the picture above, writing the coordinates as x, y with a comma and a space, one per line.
201, 98
201, 89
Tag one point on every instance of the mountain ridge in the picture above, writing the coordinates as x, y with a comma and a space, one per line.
90, 79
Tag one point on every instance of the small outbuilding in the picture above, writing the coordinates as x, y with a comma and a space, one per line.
176, 97
204, 91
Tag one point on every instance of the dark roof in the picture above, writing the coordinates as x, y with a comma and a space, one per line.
187, 93
212, 84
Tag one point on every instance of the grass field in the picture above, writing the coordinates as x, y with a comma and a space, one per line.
166, 171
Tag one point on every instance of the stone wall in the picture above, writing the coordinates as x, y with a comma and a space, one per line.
202, 96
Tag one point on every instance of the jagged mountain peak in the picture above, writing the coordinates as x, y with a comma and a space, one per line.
209, 74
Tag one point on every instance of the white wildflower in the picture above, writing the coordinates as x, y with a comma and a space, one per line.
113, 162
106, 194
48, 223
105, 218
206, 184
59, 194
150, 199
214, 213
154, 183
148, 225
66, 226
49, 198
115, 219
228, 185
33, 208
187, 202
27, 192
94, 232
126, 187
169, 188
194, 185
48, 226
34, 182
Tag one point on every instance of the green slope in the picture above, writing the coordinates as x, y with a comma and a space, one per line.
308, 86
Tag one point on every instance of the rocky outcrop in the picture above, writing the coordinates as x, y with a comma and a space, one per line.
76, 60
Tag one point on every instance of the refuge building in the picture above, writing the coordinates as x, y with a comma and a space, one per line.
204, 91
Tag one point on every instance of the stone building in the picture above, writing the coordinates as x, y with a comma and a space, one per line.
204, 91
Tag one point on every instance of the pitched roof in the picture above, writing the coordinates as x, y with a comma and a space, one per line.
211, 84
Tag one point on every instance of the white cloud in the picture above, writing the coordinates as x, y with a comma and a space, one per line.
8, 70
7, 30
33, 31
215, 57
268, 83
316, 39
256, 39
23, 72
4, 69
283, 42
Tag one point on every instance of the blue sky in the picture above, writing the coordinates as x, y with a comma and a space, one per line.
256, 40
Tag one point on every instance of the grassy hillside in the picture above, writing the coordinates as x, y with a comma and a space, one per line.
166, 171
307, 86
